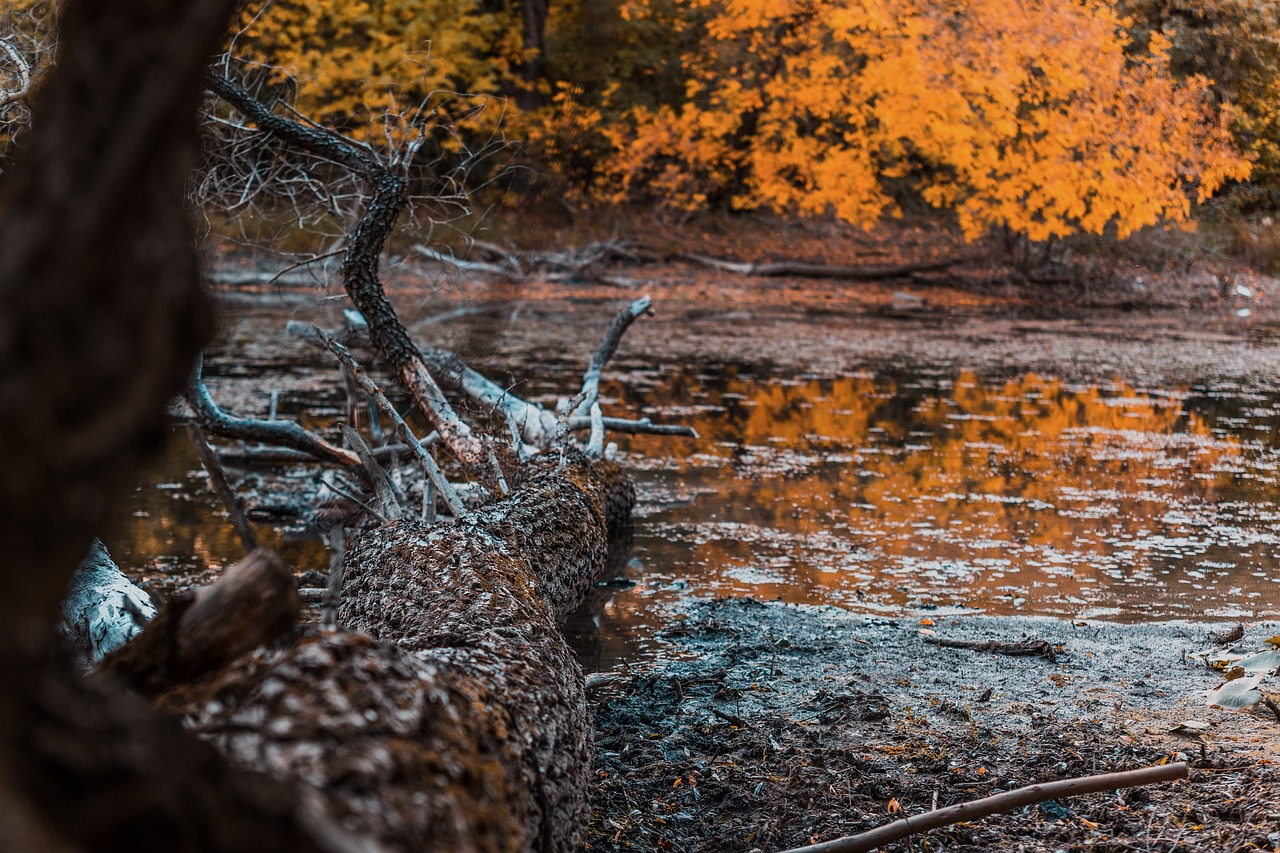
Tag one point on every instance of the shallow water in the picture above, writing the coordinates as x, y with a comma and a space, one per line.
889, 492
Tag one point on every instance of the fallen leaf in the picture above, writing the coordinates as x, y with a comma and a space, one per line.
1238, 694
927, 621
1090, 824
894, 806
1190, 727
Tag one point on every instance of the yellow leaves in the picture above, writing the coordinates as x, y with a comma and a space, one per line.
1032, 115
352, 61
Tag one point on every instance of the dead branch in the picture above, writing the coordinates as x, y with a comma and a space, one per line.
361, 261
253, 602
284, 433
465, 266
608, 346
801, 269
1025, 796
218, 478
319, 338
263, 455
586, 262
1026, 647
337, 573
377, 476
635, 427
22, 69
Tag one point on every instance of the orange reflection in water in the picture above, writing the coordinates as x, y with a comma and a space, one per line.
1029, 496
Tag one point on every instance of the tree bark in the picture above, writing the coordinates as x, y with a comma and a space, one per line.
447, 713
102, 316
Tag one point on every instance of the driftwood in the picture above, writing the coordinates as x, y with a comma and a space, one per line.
801, 269
876, 838
1026, 647
587, 263
447, 711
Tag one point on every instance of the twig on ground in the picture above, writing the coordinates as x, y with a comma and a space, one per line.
1028, 647
974, 809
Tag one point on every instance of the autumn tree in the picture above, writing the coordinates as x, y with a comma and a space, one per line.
1038, 116
1235, 44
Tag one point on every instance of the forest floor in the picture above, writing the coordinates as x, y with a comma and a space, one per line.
765, 726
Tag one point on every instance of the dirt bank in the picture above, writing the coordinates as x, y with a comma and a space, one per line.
770, 726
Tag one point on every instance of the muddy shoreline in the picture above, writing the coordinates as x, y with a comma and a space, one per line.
773, 726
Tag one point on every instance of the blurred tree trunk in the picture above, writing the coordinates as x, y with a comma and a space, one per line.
533, 71
102, 316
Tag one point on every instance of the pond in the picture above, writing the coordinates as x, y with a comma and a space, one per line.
886, 492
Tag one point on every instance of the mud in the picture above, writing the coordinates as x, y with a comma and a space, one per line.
773, 726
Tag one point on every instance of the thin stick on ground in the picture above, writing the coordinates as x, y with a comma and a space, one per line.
865, 842
221, 485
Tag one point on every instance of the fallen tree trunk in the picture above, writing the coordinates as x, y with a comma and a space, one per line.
447, 713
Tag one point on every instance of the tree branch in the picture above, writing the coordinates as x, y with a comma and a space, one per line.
284, 433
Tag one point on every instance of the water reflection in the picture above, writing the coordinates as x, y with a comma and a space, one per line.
1023, 496
888, 493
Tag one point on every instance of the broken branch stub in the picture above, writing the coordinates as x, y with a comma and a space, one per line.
254, 601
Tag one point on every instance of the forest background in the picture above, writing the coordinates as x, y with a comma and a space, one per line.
1036, 120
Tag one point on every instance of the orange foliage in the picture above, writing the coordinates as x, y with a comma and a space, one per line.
1034, 115
353, 63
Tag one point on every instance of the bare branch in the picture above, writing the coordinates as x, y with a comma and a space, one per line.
283, 433
23, 71
882, 836
318, 337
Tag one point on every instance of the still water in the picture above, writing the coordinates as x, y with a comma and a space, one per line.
884, 492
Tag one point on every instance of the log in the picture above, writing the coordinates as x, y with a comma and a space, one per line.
448, 713
800, 269
254, 601
103, 609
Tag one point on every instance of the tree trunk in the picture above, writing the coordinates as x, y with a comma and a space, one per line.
448, 713
102, 315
